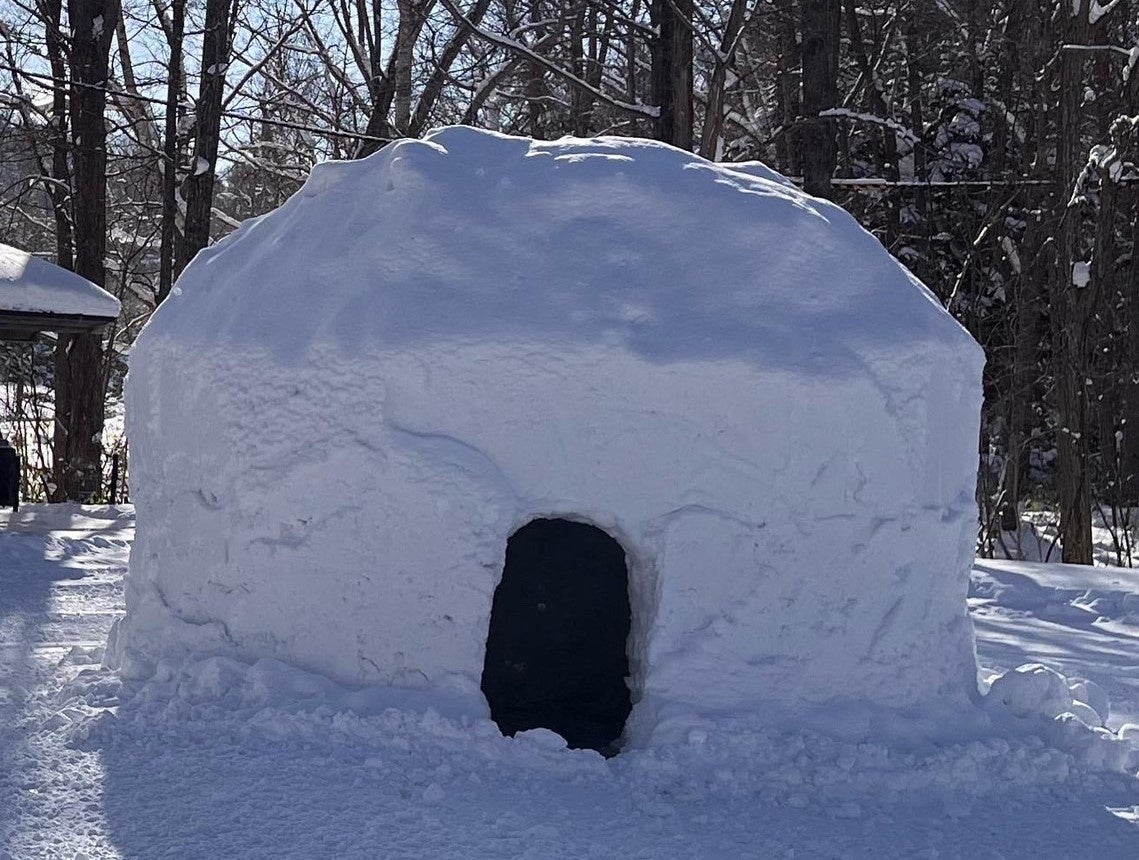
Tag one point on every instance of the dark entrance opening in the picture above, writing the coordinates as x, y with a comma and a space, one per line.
555, 653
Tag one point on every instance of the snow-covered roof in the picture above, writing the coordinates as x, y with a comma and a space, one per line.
29, 285
469, 234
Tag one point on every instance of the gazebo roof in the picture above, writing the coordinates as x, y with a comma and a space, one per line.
38, 296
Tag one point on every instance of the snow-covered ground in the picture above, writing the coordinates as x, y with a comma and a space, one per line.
1114, 540
225, 760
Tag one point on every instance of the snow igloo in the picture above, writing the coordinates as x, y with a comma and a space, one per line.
595, 433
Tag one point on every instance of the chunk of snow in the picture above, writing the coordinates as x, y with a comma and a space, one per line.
1081, 273
1097, 10
1091, 694
1085, 714
1011, 253
1032, 690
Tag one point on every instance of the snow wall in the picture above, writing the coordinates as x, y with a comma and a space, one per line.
349, 405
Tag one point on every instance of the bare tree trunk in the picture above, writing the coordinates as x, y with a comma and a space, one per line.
1071, 310
672, 70
1028, 282
1129, 445
536, 77
80, 384
714, 110
788, 144
171, 152
632, 79
579, 98
917, 126
409, 10
429, 96
198, 188
136, 110
413, 15
876, 102
1026, 297
821, 26
60, 168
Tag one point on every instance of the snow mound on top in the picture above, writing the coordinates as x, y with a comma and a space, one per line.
31, 285
470, 234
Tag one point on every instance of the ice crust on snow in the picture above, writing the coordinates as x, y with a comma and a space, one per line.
355, 400
31, 285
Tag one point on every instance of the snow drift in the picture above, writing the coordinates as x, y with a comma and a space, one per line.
350, 404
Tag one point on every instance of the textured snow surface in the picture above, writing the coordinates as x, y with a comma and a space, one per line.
217, 758
1056, 614
31, 285
357, 399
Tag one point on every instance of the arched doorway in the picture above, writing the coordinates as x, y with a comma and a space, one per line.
559, 626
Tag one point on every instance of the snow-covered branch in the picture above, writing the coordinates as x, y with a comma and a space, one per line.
1110, 49
895, 126
1097, 11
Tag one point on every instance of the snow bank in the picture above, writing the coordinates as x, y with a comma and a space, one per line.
351, 404
31, 285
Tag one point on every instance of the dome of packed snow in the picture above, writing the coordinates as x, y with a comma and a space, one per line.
567, 428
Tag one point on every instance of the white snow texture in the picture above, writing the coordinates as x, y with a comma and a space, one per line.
31, 285
356, 399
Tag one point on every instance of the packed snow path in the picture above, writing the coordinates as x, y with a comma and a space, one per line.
229, 767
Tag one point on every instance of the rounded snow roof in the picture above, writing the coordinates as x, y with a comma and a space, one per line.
472, 235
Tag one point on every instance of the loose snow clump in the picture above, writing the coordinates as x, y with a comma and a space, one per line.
1032, 690
1069, 714
354, 401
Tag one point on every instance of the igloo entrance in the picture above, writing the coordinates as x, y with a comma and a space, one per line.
556, 649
